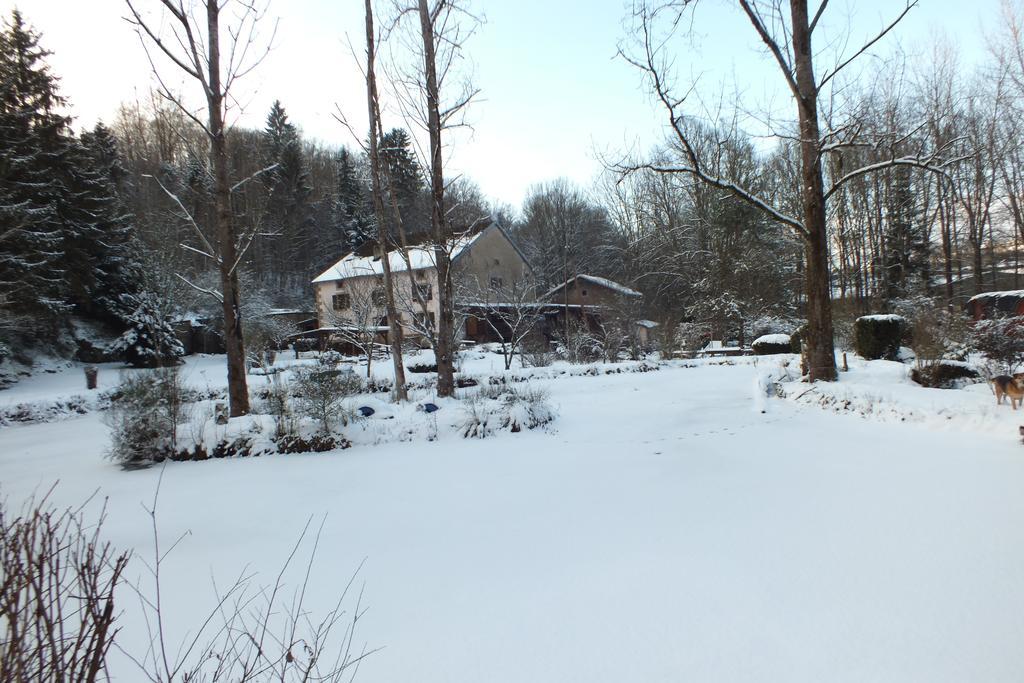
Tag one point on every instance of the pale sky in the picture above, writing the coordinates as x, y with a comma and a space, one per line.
553, 95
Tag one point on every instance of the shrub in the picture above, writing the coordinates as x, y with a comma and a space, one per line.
772, 343
879, 336
57, 608
938, 334
321, 390
476, 423
503, 407
772, 324
796, 339
944, 374
277, 402
526, 407
144, 417
422, 368
1001, 341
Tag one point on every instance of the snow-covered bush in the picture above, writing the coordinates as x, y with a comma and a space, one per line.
277, 402
578, 344
772, 343
879, 336
321, 389
938, 334
421, 368
149, 341
773, 324
535, 352
1001, 341
692, 336
944, 374
476, 421
502, 407
144, 417
526, 408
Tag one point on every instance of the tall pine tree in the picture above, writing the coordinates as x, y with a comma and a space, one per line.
288, 214
351, 209
405, 180
32, 134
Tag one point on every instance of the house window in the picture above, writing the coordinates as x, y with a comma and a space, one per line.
421, 275
496, 283
377, 296
425, 291
341, 302
497, 262
583, 293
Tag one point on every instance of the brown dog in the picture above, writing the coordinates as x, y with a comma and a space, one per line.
1013, 387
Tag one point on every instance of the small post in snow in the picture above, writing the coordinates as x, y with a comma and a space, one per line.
91, 377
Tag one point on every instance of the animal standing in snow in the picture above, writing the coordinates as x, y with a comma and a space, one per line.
1013, 387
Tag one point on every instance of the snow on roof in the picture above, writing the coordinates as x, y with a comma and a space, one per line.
886, 317
600, 282
986, 296
419, 257
289, 311
773, 339
649, 324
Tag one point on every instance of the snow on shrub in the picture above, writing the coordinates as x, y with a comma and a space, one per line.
513, 409
144, 417
945, 374
879, 336
1001, 341
320, 391
526, 408
772, 343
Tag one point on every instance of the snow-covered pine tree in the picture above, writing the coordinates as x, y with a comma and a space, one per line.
405, 178
32, 133
149, 341
351, 210
115, 252
288, 212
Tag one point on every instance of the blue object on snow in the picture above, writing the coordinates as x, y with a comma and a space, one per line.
430, 408
366, 411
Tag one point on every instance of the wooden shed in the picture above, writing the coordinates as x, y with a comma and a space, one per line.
996, 304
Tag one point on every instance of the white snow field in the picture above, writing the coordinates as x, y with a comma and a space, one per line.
667, 530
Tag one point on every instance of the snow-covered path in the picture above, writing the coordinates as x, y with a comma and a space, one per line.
666, 532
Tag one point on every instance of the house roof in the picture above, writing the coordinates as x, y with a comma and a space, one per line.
420, 256
593, 280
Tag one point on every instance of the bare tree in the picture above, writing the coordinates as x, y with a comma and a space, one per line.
787, 38
511, 311
431, 96
359, 323
193, 45
377, 190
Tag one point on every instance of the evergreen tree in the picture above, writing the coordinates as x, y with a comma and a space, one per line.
351, 206
288, 203
115, 252
406, 180
66, 233
32, 142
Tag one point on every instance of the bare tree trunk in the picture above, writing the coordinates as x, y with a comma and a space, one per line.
394, 324
446, 318
821, 360
234, 345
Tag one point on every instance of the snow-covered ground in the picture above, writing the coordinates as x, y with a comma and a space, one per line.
666, 530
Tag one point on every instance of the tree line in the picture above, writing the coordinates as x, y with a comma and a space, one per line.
123, 224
